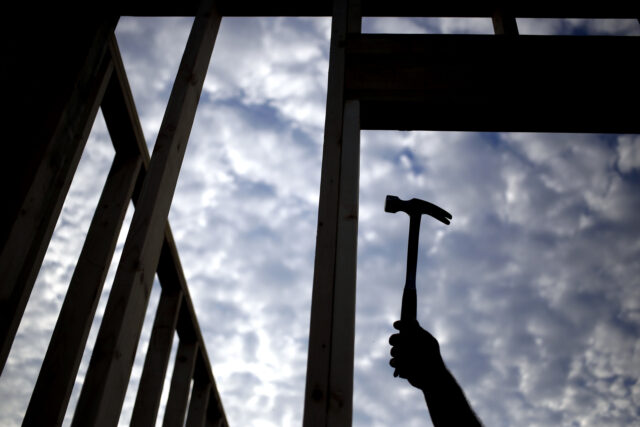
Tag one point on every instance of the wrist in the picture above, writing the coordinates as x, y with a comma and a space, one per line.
433, 378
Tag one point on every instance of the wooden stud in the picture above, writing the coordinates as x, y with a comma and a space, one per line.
51, 394
328, 393
215, 413
149, 393
494, 83
169, 270
22, 253
504, 23
198, 403
183, 369
112, 359
53, 388
344, 305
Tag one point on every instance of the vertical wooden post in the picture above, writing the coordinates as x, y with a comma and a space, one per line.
112, 359
504, 23
180, 383
147, 403
22, 253
329, 386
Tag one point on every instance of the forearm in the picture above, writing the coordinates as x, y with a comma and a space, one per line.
446, 401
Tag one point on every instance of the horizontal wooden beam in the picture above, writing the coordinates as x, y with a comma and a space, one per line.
491, 83
464, 8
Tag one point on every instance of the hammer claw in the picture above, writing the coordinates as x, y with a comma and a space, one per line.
416, 206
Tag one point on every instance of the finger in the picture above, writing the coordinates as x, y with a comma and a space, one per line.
394, 339
409, 327
396, 351
395, 373
397, 324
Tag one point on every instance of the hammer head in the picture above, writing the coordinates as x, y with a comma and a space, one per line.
416, 207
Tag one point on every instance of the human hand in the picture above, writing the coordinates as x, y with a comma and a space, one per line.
415, 354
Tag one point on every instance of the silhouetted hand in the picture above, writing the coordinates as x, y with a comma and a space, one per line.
415, 354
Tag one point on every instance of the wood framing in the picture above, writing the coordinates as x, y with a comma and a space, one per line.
409, 8
22, 252
489, 83
51, 394
329, 386
145, 410
112, 359
183, 369
501, 82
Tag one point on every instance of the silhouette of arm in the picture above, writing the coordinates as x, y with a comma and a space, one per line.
415, 355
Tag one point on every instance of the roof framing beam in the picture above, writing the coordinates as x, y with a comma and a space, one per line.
464, 8
490, 83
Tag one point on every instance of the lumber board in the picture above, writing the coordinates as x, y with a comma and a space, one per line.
197, 413
491, 83
112, 359
329, 383
22, 252
183, 369
128, 136
407, 8
55, 382
145, 410
344, 311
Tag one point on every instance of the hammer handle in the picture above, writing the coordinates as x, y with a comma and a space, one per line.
409, 298
412, 251
409, 306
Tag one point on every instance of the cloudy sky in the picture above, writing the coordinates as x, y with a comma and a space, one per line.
533, 291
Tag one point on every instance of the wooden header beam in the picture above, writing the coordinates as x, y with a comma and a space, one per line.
380, 8
490, 83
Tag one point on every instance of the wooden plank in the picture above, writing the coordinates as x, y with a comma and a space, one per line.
504, 22
121, 116
488, 83
198, 403
149, 393
52, 391
35, 100
328, 392
53, 388
319, 352
180, 384
112, 359
344, 306
460, 8
23, 251
170, 271
119, 105
215, 415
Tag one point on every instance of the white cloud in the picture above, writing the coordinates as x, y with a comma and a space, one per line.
628, 153
573, 26
404, 25
532, 290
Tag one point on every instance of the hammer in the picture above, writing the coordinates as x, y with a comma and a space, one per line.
415, 208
